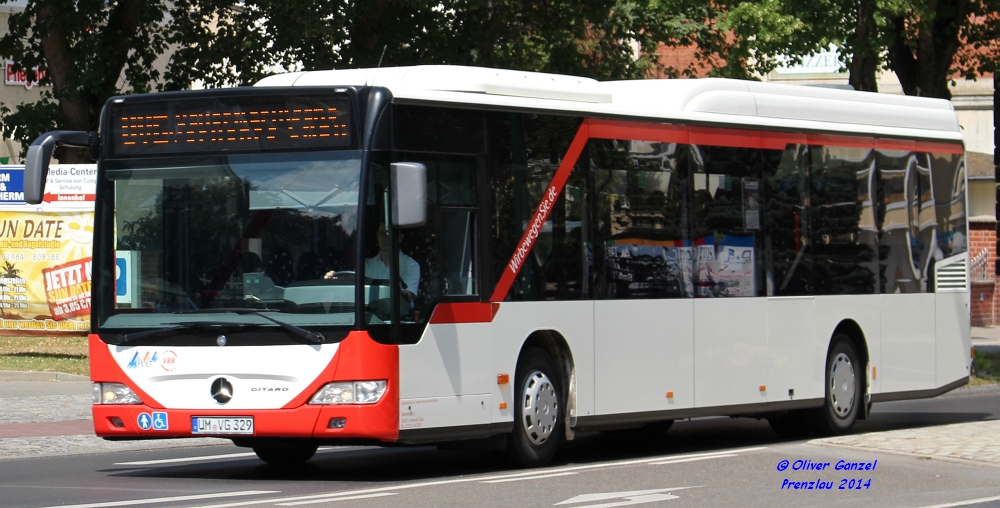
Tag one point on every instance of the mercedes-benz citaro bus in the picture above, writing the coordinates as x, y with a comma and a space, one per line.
422, 255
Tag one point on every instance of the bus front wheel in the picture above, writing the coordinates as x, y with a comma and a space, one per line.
538, 411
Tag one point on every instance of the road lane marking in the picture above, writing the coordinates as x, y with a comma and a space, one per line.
332, 499
965, 503
607, 496
216, 457
185, 459
487, 478
157, 500
693, 459
538, 477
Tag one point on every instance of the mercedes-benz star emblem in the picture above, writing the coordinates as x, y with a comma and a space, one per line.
222, 390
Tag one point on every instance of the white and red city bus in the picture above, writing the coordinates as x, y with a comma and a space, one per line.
429, 254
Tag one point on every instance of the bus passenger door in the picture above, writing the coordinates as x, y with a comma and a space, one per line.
444, 358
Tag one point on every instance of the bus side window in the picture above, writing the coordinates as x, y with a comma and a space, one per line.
642, 233
726, 230
842, 220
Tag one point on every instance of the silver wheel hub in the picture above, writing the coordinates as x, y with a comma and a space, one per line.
539, 407
842, 389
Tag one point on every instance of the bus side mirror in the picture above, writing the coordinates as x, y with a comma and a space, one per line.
409, 194
36, 164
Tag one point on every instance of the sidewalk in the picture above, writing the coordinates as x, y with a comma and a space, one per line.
44, 414
986, 338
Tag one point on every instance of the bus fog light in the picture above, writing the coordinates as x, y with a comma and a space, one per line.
334, 393
368, 392
114, 393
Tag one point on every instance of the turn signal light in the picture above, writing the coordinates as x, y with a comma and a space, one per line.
503, 379
503, 405
763, 388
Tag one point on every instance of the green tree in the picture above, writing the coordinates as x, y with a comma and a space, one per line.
94, 49
925, 42
87, 47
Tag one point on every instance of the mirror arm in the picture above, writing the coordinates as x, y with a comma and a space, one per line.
36, 164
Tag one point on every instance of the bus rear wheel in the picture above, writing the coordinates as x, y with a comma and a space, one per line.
844, 385
285, 454
538, 411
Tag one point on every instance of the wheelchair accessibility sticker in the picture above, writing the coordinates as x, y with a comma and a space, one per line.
160, 421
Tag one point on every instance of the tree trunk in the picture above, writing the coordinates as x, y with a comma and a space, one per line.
925, 69
864, 62
60, 69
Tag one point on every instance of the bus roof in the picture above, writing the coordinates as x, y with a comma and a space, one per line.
709, 101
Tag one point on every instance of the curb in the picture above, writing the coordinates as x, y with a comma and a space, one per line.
13, 375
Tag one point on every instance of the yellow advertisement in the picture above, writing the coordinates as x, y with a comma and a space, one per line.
45, 267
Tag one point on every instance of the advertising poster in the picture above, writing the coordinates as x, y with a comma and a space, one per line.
45, 252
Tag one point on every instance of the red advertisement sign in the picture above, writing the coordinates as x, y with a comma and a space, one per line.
67, 289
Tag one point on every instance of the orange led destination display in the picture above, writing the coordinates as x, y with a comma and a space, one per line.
226, 124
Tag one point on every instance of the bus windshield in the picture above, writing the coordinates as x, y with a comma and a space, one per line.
263, 231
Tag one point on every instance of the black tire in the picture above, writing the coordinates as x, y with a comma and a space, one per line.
292, 454
538, 411
841, 404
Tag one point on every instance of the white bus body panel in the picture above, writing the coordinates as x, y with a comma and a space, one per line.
908, 342
791, 340
260, 381
730, 351
444, 379
953, 354
643, 349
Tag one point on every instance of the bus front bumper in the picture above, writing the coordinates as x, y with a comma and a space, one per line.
308, 421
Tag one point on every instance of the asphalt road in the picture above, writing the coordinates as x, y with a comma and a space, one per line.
705, 462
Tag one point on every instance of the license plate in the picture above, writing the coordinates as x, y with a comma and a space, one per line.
219, 425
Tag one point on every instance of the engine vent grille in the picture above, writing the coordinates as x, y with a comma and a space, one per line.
951, 274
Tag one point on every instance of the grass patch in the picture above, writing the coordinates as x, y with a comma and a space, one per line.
45, 354
985, 368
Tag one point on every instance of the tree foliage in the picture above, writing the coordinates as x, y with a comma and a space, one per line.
926, 43
94, 49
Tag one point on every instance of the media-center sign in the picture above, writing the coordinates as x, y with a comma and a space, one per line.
45, 252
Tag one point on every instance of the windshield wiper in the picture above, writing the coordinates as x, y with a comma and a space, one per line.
313, 337
132, 337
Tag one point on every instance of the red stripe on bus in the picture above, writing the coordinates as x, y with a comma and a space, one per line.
736, 138
464, 312
542, 213
781, 140
932, 147
616, 129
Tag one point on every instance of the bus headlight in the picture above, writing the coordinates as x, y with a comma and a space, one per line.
114, 393
349, 392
